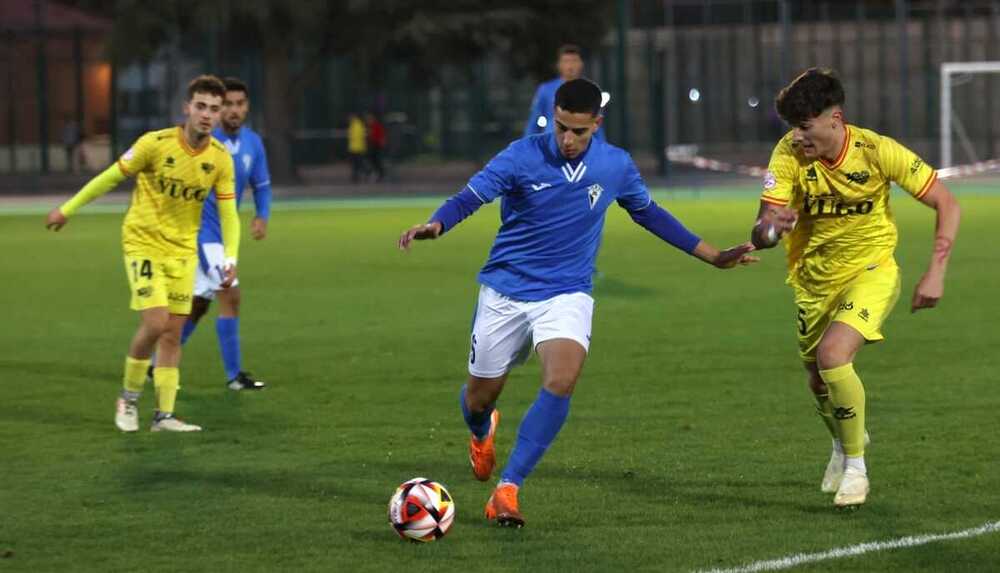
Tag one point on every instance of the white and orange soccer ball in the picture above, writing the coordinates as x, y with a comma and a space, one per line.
421, 510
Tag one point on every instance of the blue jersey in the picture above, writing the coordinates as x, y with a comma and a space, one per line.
544, 105
250, 166
552, 213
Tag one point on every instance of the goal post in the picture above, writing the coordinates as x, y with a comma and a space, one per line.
949, 122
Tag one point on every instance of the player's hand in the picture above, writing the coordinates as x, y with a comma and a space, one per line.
55, 220
228, 275
774, 222
928, 291
419, 233
258, 228
738, 255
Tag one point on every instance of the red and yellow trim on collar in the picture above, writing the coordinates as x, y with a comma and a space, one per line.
187, 148
843, 151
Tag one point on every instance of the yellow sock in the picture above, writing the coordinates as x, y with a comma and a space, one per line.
847, 396
167, 382
825, 410
135, 373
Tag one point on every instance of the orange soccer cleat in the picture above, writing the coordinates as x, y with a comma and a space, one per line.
482, 454
502, 506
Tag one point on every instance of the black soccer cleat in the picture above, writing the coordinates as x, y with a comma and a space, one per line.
245, 381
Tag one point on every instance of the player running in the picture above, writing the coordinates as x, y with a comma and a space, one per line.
175, 170
827, 185
555, 189
250, 165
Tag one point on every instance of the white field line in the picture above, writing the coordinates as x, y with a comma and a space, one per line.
860, 549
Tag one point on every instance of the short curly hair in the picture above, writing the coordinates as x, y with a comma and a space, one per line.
206, 84
810, 94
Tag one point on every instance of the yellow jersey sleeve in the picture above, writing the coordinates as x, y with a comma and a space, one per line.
106, 181
140, 157
225, 195
905, 167
782, 174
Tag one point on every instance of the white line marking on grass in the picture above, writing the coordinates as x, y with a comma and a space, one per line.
862, 548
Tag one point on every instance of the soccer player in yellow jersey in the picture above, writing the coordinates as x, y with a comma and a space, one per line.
175, 170
827, 186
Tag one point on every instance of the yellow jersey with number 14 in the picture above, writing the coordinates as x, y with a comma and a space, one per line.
845, 223
172, 182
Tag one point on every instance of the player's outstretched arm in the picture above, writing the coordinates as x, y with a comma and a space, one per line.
99, 185
930, 289
450, 213
726, 259
422, 232
772, 223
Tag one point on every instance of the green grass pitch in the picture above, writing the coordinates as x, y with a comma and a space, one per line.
691, 441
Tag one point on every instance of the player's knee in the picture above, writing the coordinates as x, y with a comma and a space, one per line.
831, 354
560, 385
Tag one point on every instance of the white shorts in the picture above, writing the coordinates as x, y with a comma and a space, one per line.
505, 330
208, 278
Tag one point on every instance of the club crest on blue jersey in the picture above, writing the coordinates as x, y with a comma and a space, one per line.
594, 194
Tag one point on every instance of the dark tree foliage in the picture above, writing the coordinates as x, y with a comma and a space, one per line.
426, 35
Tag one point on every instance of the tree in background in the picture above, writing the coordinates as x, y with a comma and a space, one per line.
426, 35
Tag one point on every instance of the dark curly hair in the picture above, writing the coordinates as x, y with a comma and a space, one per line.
809, 95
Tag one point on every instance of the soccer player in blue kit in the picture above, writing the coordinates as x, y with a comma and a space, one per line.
250, 165
535, 288
569, 65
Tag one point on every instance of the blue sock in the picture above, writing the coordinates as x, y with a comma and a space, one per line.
188, 330
538, 429
479, 423
228, 330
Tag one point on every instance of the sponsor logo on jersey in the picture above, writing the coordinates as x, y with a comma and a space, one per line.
864, 144
207, 167
864, 315
144, 292
859, 177
915, 166
175, 188
169, 162
811, 174
594, 193
540, 186
574, 175
831, 204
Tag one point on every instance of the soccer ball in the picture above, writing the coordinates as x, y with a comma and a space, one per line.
421, 510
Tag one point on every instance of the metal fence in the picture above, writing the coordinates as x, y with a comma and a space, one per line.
679, 71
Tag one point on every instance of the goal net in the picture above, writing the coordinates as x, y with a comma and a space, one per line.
970, 107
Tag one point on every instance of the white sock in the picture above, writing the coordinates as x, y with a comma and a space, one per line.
857, 463
838, 448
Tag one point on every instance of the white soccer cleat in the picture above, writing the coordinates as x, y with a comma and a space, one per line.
835, 469
126, 415
853, 488
172, 424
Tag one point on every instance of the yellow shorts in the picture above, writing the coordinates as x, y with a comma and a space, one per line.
159, 280
863, 303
